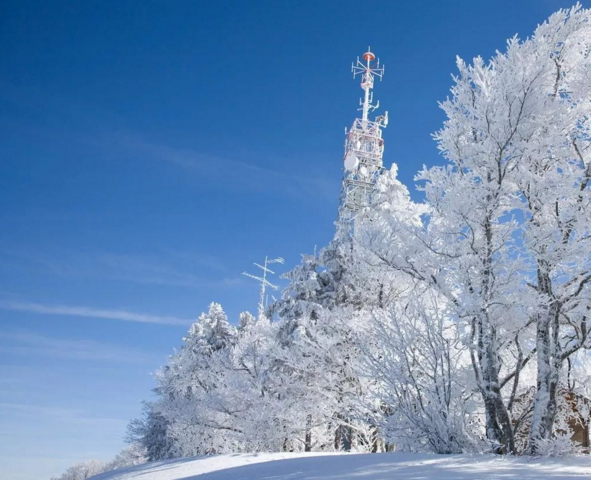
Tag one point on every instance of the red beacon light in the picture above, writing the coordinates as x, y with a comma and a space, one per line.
369, 56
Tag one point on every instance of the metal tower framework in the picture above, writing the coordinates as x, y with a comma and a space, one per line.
363, 156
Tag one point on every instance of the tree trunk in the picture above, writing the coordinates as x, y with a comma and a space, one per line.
376, 440
498, 423
308, 426
343, 437
549, 363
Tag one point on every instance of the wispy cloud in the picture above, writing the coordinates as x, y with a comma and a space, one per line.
72, 416
104, 129
23, 342
234, 172
89, 312
178, 269
143, 269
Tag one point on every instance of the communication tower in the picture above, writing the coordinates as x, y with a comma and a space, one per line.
363, 155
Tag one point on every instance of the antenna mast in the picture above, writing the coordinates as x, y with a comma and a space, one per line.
264, 282
363, 156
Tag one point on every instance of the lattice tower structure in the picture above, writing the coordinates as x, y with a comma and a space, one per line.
363, 150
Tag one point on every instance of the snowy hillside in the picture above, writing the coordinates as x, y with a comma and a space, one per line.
290, 466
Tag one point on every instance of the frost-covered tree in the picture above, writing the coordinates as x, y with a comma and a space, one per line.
192, 374
82, 470
324, 291
321, 283
132, 455
473, 230
224, 391
317, 354
413, 348
250, 405
553, 176
321, 360
419, 373
151, 433
518, 135
517, 139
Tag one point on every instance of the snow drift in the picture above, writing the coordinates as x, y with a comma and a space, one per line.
401, 466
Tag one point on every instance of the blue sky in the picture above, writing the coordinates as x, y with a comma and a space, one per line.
150, 151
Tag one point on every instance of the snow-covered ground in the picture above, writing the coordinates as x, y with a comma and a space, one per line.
385, 466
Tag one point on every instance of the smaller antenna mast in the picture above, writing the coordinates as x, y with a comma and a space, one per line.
264, 282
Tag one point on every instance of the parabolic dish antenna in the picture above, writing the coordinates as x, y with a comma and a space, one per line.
351, 162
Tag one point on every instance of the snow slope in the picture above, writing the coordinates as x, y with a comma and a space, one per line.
385, 466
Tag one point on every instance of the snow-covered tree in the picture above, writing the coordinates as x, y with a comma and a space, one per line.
321, 283
192, 374
82, 470
132, 455
150, 432
413, 348
321, 359
515, 195
419, 373
554, 179
518, 135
